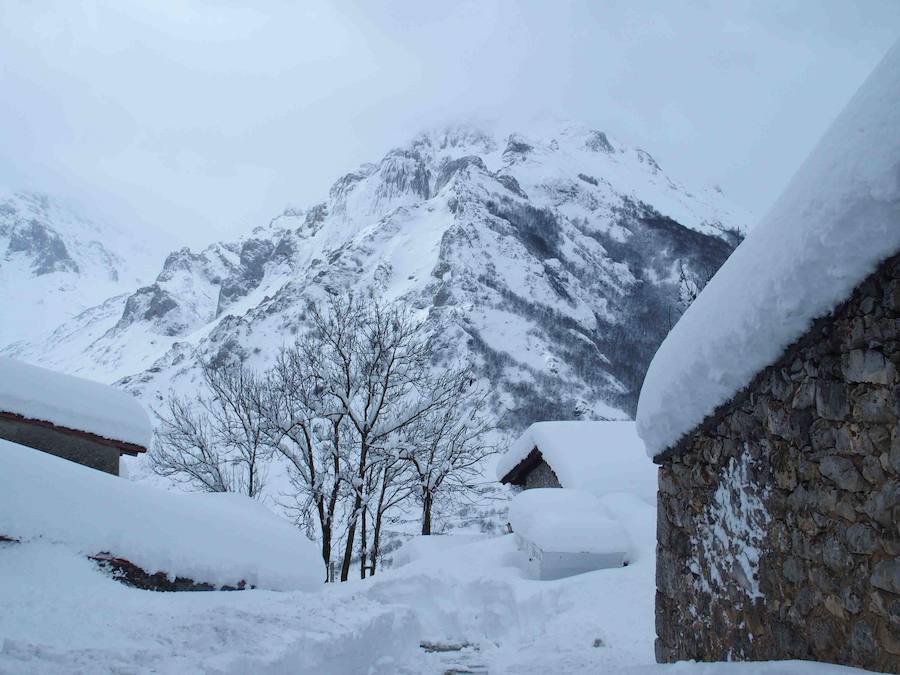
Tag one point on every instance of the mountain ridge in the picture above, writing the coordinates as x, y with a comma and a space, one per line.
56, 262
553, 261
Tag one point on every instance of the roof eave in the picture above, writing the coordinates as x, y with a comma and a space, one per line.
124, 447
516, 475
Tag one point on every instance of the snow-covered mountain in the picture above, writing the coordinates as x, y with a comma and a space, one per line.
554, 259
56, 262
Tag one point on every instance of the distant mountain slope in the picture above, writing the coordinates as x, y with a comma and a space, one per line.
56, 262
556, 261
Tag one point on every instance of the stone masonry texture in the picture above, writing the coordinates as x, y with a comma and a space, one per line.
778, 524
541, 476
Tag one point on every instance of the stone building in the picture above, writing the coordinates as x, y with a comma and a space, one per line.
598, 457
773, 411
70, 417
566, 470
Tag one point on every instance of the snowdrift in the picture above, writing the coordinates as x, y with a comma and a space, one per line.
217, 539
566, 521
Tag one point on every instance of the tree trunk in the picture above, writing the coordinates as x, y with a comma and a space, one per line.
325, 524
357, 506
363, 553
379, 517
426, 513
351, 537
328, 525
376, 545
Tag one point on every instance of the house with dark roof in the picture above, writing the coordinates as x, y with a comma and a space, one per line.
566, 469
773, 411
597, 457
70, 417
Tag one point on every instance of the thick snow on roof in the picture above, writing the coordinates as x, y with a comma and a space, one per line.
600, 457
215, 538
566, 521
837, 220
73, 402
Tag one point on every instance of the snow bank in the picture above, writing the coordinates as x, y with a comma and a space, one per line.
60, 616
600, 457
425, 546
566, 521
73, 402
837, 220
215, 538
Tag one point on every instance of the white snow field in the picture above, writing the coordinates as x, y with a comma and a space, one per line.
220, 539
838, 218
72, 402
600, 457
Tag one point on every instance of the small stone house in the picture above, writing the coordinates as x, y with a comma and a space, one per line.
598, 457
79, 420
773, 412
559, 519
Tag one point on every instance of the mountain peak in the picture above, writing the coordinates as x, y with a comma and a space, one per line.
550, 245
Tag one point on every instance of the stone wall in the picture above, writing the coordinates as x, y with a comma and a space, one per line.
541, 476
55, 442
779, 516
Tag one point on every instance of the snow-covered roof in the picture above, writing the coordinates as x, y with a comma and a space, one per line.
600, 457
838, 218
566, 521
72, 403
220, 539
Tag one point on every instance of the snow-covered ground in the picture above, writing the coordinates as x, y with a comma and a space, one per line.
460, 603
61, 614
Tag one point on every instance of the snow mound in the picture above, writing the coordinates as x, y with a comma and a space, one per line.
838, 218
60, 616
600, 457
221, 539
72, 402
432, 545
566, 521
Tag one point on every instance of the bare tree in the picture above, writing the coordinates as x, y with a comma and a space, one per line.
690, 284
185, 450
309, 441
216, 442
446, 447
359, 415
373, 367
392, 485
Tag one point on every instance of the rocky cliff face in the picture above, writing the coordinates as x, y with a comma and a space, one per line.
554, 260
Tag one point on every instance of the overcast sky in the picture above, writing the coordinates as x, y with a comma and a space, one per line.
206, 118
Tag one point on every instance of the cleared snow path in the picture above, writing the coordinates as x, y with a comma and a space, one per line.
61, 616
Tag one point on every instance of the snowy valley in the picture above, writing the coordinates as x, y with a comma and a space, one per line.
554, 263
480, 307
